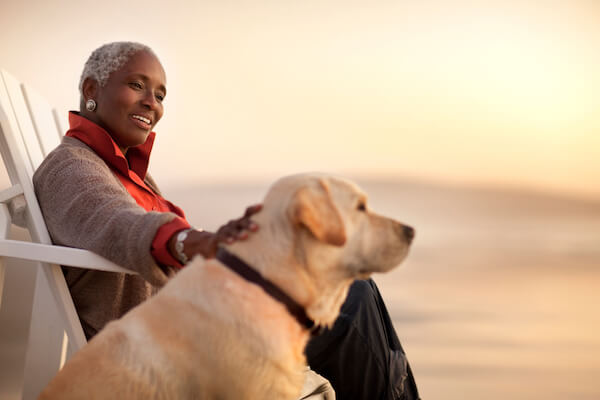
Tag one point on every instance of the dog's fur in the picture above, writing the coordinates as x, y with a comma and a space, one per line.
210, 334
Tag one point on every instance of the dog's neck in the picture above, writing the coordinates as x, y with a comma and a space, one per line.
247, 272
274, 254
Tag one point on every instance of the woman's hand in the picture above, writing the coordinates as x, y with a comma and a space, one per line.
237, 229
207, 243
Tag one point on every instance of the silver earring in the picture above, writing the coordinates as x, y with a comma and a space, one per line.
90, 105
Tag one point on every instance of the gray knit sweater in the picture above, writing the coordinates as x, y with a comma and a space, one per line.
86, 206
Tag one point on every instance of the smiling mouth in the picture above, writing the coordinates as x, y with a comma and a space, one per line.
142, 122
143, 119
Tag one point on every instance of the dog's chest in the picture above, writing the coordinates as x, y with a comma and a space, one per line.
243, 335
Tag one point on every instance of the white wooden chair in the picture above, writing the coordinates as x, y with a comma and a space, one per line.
30, 129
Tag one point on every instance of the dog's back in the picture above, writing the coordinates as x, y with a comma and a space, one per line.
207, 334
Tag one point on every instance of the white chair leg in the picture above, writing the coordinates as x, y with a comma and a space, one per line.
5, 221
4, 228
44, 351
2, 269
15, 322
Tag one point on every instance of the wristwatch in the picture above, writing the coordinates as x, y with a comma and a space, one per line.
181, 236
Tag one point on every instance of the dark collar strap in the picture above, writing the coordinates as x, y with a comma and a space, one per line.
250, 274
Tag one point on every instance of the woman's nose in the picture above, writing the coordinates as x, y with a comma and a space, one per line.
150, 100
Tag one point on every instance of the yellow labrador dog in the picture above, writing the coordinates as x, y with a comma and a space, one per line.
235, 327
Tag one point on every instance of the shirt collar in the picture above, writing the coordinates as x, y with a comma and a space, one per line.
102, 143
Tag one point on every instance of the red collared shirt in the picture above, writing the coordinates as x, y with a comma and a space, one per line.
131, 171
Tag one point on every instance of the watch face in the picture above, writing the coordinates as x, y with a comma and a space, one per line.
181, 236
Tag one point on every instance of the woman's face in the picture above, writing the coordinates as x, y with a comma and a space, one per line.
130, 103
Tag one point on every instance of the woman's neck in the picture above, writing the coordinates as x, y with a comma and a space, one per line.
92, 117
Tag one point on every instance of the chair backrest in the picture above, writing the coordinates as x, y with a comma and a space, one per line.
46, 122
29, 129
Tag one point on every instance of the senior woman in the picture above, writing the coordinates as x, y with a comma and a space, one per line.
95, 193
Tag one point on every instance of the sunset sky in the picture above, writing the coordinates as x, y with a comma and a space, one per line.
470, 92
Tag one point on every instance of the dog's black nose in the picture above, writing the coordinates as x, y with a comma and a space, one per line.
409, 232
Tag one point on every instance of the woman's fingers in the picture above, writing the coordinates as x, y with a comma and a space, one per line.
237, 229
253, 209
251, 225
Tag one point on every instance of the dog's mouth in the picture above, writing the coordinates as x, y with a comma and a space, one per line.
385, 260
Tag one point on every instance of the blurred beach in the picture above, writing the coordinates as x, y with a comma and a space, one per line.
499, 296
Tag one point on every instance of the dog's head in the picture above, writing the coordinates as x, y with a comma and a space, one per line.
323, 227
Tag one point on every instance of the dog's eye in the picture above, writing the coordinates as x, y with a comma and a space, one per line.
361, 206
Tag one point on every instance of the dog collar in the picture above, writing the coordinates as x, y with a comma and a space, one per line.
250, 274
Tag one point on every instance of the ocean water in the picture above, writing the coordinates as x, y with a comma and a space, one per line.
499, 297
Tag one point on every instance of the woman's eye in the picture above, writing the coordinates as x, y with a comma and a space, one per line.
160, 97
136, 85
361, 207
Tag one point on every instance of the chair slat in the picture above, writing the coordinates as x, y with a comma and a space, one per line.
42, 116
58, 255
62, 123
26, 132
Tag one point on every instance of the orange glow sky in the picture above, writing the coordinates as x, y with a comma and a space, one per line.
485, 92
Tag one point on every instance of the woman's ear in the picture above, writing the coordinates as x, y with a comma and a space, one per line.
89, 88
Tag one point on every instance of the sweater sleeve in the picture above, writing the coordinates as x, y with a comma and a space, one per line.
85, 206
160, 250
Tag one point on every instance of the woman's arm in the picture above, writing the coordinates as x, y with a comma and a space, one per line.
86, 206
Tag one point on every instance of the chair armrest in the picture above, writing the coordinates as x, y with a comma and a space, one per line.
60, 255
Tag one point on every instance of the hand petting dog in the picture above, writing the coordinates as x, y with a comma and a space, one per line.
206, 243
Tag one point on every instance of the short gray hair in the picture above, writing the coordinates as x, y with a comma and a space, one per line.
107, 59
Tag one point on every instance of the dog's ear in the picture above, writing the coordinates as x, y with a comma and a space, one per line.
314, 209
